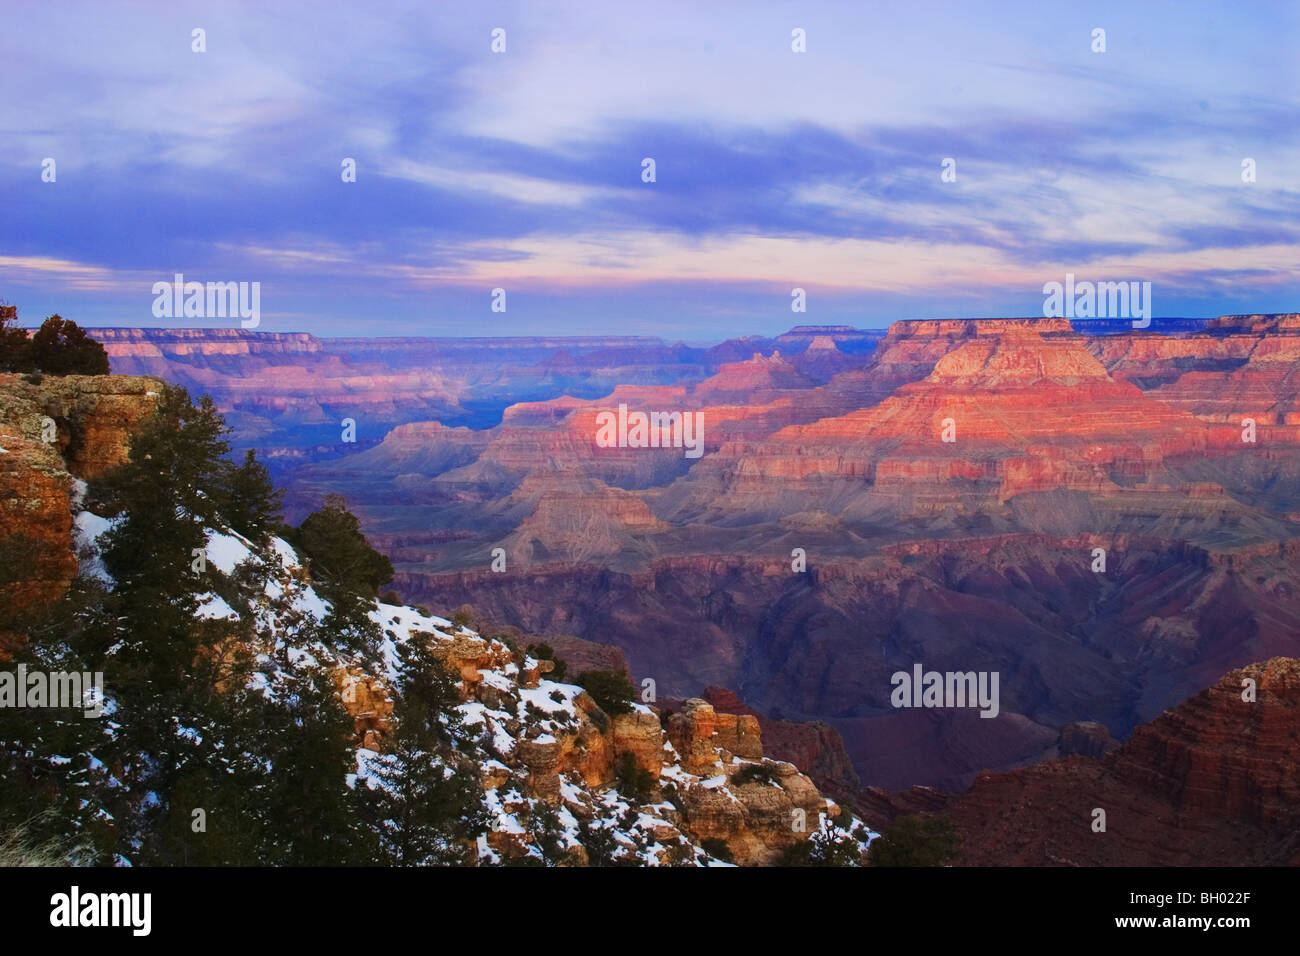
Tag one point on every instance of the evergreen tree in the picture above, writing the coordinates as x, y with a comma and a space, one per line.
337, 552
346, 572
916, 840
177, 723
424, 800
250, 502
547, 833
61, 347
634, 781
51, 783
310, 816
166, 496
15, 342
603, 848
609, 689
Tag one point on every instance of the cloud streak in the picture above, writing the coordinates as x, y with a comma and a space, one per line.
774, 169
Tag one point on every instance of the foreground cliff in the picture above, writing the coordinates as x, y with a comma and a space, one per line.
56, 431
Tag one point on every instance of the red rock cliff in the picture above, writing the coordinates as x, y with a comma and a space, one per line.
67, 427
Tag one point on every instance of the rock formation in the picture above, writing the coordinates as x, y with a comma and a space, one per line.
54, 432
1213, 782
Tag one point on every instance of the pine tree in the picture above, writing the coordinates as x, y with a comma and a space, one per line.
423, 798
338, 553
309, 815
166, 495
250, 502
144, 633
346, 572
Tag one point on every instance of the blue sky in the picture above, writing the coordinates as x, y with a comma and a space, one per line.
522, 170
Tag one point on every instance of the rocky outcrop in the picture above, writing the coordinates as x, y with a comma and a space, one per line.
708, 778
368, 702
1214, 781
704, 737
815, 747
1087, 738
53, 431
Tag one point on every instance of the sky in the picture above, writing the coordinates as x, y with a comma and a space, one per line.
522, 170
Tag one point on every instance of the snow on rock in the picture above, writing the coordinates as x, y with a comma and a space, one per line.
549, 761
86, 530
211, 606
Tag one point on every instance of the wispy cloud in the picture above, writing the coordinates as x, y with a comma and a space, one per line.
773, 168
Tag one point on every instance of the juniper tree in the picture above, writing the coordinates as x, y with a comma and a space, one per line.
609, 689
61, 347
337, 552
15, 342
916, 840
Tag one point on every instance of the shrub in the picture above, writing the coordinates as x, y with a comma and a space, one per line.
543, 825
674, 797
600, 719
603, 848
544, 652
680, 853
61, 347
609, 689
633, 780
916, 840
827, 847
753, 773
718, 849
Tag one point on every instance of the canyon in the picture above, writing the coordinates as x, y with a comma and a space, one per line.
829, 535
1122, 689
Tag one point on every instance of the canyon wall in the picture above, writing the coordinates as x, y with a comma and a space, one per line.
55, 430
